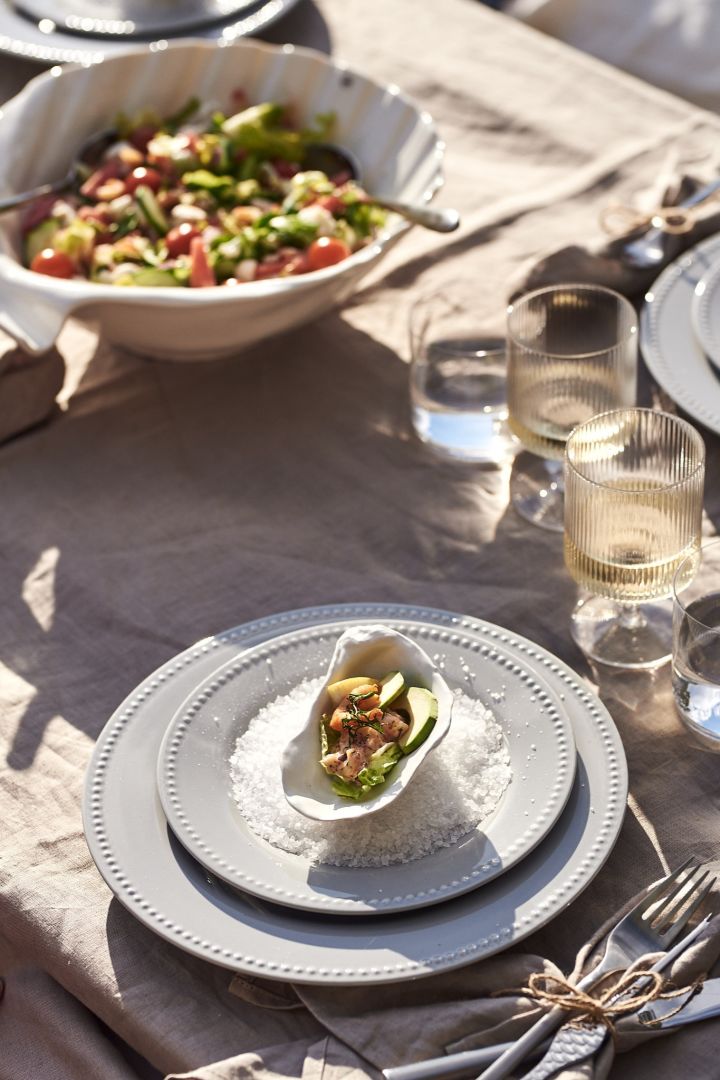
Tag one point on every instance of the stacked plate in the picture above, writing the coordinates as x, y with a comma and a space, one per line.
89, 30
680, 332
169, 839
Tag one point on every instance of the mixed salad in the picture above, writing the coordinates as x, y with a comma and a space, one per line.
363, 739
193, 202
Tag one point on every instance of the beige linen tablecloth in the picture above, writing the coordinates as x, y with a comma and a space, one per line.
168, 502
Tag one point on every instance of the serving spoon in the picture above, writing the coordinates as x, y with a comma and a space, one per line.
89, 154
330, 159
325, 157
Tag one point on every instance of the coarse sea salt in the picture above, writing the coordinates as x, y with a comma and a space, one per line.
457, 788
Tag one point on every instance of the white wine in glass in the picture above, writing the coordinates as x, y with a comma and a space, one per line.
572, 353
633, 511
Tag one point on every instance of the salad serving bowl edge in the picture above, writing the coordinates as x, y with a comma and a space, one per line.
394, 140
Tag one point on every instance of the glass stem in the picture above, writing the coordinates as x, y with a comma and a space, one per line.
556, 471
631, 617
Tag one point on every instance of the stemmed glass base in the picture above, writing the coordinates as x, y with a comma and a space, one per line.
629, 636
537, 491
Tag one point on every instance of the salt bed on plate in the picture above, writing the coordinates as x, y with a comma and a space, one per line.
458, 786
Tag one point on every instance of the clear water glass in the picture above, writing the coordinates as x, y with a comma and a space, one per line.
696, 645
458, 380
633, 511
572, 353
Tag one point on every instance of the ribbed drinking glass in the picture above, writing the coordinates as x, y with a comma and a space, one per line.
572, 353
633, 510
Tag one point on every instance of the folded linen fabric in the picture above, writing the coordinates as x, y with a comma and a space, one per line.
29, 386
601, 262
379, 1027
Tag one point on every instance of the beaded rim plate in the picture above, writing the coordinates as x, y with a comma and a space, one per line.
195, 787
705, 312
668, 341
155, 878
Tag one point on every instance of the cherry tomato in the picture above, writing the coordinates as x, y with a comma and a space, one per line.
141, 176
330, 202
53, 263
179, 239
326, 251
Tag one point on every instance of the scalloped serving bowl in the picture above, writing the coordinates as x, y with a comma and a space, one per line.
395, 142
364, 650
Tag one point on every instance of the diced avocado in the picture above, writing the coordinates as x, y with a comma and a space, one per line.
391, 687
151, 210
41, 237
339, 690
76, 240
423, 709
159, 278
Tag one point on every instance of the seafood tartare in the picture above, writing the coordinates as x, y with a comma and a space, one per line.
363, 738
192, 202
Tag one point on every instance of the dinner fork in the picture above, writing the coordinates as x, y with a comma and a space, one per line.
652, 925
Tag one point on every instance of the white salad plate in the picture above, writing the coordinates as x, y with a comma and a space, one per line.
44, 41
706, 312
670, 346
194, 779
167, 890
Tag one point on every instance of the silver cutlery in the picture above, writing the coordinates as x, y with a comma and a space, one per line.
331, 159
575, 1043
650, 249
653, 925
88, 155
467, 1063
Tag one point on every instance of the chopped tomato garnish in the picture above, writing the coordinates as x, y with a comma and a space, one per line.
179, 239
201, 272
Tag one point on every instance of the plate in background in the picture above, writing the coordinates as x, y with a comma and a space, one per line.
668, 341
706, 313
41, 40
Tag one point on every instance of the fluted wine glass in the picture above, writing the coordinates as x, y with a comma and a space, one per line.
633, 512
571, 353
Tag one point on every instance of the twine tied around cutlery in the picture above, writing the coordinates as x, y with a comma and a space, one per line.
619, 220
611, 996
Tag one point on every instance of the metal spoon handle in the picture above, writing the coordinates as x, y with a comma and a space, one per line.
444, 221
11, 202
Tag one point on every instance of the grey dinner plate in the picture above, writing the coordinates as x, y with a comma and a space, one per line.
195, 787
153, 875
669, 343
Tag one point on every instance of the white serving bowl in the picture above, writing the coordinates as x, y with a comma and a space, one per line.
362, 650
395, 142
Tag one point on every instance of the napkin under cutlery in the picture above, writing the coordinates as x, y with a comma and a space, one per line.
601, 262
372, 1028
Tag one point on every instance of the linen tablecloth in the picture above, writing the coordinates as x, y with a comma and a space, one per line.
168, 502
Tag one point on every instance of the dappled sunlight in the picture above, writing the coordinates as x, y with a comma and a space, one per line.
38, 589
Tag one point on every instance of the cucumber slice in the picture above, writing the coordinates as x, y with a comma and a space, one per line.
40, 237
158, 278
151, 210
423, 709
